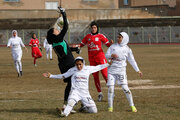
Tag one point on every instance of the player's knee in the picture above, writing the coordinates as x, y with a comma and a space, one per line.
93, 110
127, 91
111, 89
71, 102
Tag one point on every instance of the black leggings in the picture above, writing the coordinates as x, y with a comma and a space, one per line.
67, 90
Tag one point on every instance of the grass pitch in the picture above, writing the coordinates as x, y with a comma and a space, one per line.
33, 97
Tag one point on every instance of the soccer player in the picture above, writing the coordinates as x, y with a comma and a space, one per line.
36, 53
63, 51
80, 85
48, 48
118, 53
15, 44
95, 53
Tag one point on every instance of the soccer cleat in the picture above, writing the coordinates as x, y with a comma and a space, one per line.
60, 112
110, 109
100, 97
35, 65
21, 73
133, 109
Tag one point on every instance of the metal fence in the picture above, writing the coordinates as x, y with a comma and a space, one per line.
164, 34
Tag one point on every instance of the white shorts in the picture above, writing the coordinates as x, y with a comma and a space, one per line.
120, 79
86, 100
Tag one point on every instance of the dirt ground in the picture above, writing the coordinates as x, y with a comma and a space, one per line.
33, 97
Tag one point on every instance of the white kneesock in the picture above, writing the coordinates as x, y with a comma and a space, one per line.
110, 95
128, 94
20, 65
50, 53
69, 107
16, 66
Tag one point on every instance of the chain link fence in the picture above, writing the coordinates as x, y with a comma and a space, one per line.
163, 34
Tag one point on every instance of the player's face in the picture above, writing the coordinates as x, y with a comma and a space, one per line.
94, 29
119, 39
79, 65
56, 31
34, 35
14, 34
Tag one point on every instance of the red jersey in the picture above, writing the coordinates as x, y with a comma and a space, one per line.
94, 43
34, 43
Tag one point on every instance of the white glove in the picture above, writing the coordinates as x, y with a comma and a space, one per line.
61, 9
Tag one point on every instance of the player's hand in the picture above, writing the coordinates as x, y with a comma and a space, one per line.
47, 75
40, 49
26, 49
140, 73
61, 9
114, 56
112, 41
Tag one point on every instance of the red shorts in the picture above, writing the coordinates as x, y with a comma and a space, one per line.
36, 53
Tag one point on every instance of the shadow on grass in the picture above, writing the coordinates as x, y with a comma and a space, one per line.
32, 110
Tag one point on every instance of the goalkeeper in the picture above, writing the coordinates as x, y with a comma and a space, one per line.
63, 51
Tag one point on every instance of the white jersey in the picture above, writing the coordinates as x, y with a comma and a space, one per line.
15, 43
46, 45
124, 53
80, 79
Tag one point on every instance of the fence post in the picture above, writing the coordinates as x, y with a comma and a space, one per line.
142, 30
128, 31
170, 34
114, 34
7, 36
69, 36
23, 35
156, 29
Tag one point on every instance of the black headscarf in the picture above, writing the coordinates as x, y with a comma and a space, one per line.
50, 35
92, 24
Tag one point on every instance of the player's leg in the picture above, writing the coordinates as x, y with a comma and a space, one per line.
105, 70
50, 53
89, 105
47, 53
69, 107
110, 84
19, 61
35, 61
67, 89
129, 97
15, 57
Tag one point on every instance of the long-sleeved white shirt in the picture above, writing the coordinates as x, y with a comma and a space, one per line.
15, 43
80, 78
119, 64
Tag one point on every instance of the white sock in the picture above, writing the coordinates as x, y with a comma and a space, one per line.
69, 107
100, 93
110, 95
16, 66
128, 94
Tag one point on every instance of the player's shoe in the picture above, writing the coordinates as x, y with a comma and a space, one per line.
21, 73
35, 65
100, 97
110, 109
133, 108
60, 112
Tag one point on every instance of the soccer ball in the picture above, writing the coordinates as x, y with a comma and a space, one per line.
60, 22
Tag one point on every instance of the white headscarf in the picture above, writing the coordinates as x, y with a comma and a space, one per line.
125, 39
80, 58
16, 33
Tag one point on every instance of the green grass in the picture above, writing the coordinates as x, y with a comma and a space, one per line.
33, 97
